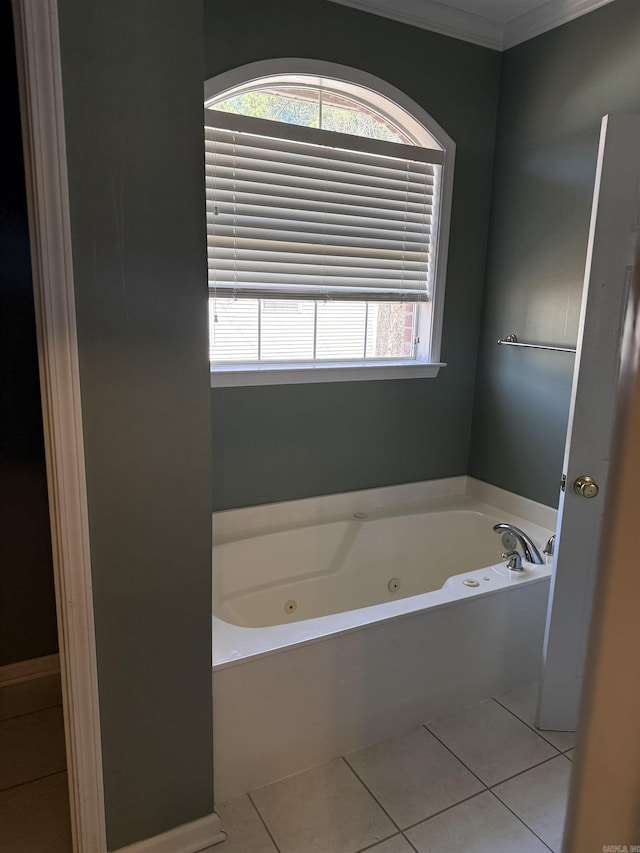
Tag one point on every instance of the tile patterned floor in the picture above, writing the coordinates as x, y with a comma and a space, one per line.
483, 780
34, 798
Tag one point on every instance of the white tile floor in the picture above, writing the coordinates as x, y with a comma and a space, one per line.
34, 797
479, 781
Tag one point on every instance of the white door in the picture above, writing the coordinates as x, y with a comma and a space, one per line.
615, 220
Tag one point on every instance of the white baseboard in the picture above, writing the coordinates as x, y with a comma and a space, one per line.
195, 837
25, 670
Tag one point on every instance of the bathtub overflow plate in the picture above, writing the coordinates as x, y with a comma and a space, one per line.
290, 606
360, 515
393, 585
470, 582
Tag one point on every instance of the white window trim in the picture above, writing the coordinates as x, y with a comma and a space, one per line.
232, 376
288, 373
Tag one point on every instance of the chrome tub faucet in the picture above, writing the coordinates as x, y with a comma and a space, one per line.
529, 550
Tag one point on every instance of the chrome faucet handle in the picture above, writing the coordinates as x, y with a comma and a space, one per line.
514, 561
550, 547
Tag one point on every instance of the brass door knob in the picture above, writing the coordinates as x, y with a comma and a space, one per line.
586, 487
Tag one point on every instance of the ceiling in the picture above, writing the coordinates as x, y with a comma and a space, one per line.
501, 11
498, 24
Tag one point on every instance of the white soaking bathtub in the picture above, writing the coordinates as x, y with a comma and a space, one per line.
341, 620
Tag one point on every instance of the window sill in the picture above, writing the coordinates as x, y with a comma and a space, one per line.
292, 374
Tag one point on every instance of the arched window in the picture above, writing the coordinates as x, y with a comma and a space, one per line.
328, 197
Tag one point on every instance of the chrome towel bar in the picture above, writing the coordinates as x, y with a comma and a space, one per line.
512, 341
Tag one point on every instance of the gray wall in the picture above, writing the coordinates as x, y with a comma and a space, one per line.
27, 603
277, 443
554, 92
132, 76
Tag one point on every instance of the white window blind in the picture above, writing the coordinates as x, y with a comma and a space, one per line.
301, 213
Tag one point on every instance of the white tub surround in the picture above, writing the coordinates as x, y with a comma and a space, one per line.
234, 524
332, 631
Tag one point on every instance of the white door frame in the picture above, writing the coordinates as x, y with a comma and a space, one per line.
40, 80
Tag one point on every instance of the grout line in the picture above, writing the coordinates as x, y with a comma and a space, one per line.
457, 757
445, 809
375, 843
28, 713
410, 843
529, 726
366, 787
39, 717
401, 832
495, 784
490, 788
32, 781
526, 770
517, 816
263, 822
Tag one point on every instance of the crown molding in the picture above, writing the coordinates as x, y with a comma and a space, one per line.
477, 29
